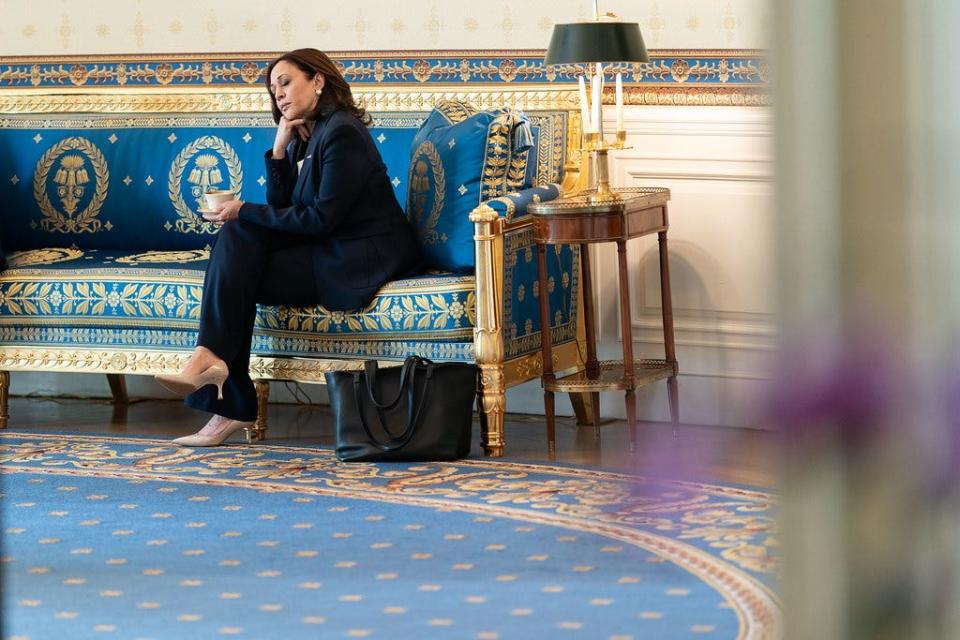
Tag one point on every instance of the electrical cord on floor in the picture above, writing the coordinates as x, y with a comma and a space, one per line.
297, 391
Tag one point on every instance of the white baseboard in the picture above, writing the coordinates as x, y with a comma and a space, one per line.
706, 400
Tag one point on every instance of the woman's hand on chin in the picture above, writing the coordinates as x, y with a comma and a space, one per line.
229, 210
286, 131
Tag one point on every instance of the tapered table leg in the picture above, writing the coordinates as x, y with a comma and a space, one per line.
589, 327
546, 348
626, 331
669, 347
674, 394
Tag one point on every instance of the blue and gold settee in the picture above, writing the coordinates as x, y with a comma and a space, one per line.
104, 163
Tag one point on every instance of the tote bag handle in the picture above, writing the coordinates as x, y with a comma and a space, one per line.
408, 376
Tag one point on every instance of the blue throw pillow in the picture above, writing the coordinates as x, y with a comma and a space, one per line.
460, 159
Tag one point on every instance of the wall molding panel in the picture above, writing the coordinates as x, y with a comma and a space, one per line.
697, 169
718, 163
721, 332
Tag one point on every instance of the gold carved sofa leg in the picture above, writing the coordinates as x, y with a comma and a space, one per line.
488, 333
4, 396
493, 405
259, 429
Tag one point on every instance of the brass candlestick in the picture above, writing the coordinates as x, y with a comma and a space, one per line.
595, 143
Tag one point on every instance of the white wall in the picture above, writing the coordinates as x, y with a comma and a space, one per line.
53, 27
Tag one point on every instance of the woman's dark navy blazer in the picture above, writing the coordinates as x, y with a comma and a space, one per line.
342, 202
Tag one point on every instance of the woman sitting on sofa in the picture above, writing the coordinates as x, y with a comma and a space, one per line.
331, 233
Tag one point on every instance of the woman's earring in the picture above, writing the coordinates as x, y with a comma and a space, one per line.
318, 91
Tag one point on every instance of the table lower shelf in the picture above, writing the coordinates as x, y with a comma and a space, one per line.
611, 377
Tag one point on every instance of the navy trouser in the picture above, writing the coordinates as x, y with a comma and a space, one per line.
249, 264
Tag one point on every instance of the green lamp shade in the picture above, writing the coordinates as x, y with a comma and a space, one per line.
596, 42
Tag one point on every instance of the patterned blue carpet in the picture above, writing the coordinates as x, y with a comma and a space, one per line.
123, 537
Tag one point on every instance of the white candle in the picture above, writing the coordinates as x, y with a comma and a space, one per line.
619, 102
584, 111
597, 86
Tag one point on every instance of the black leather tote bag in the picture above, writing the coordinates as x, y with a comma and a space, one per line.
420, 411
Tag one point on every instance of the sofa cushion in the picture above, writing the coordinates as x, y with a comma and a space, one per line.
151, 300
459, 159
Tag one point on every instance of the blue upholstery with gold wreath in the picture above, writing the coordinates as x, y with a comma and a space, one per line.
136, 182
461, 159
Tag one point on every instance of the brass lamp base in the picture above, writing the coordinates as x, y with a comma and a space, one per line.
603, 192
593, 142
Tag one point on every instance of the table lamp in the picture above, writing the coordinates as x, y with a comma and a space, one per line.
599, 41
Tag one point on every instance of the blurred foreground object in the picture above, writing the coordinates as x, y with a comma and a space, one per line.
867, 156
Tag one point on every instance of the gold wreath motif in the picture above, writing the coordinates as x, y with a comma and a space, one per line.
189, 221
86, 220
33, 257
428, 232
162, 257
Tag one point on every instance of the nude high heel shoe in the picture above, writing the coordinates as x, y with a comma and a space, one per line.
198, 440
185, 384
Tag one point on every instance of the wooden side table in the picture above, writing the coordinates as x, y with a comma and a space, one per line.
575, 220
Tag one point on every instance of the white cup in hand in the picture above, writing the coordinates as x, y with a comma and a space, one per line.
216, 198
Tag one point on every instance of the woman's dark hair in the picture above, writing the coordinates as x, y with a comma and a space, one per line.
336, 91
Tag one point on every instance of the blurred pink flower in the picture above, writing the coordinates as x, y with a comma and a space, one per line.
844, 384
